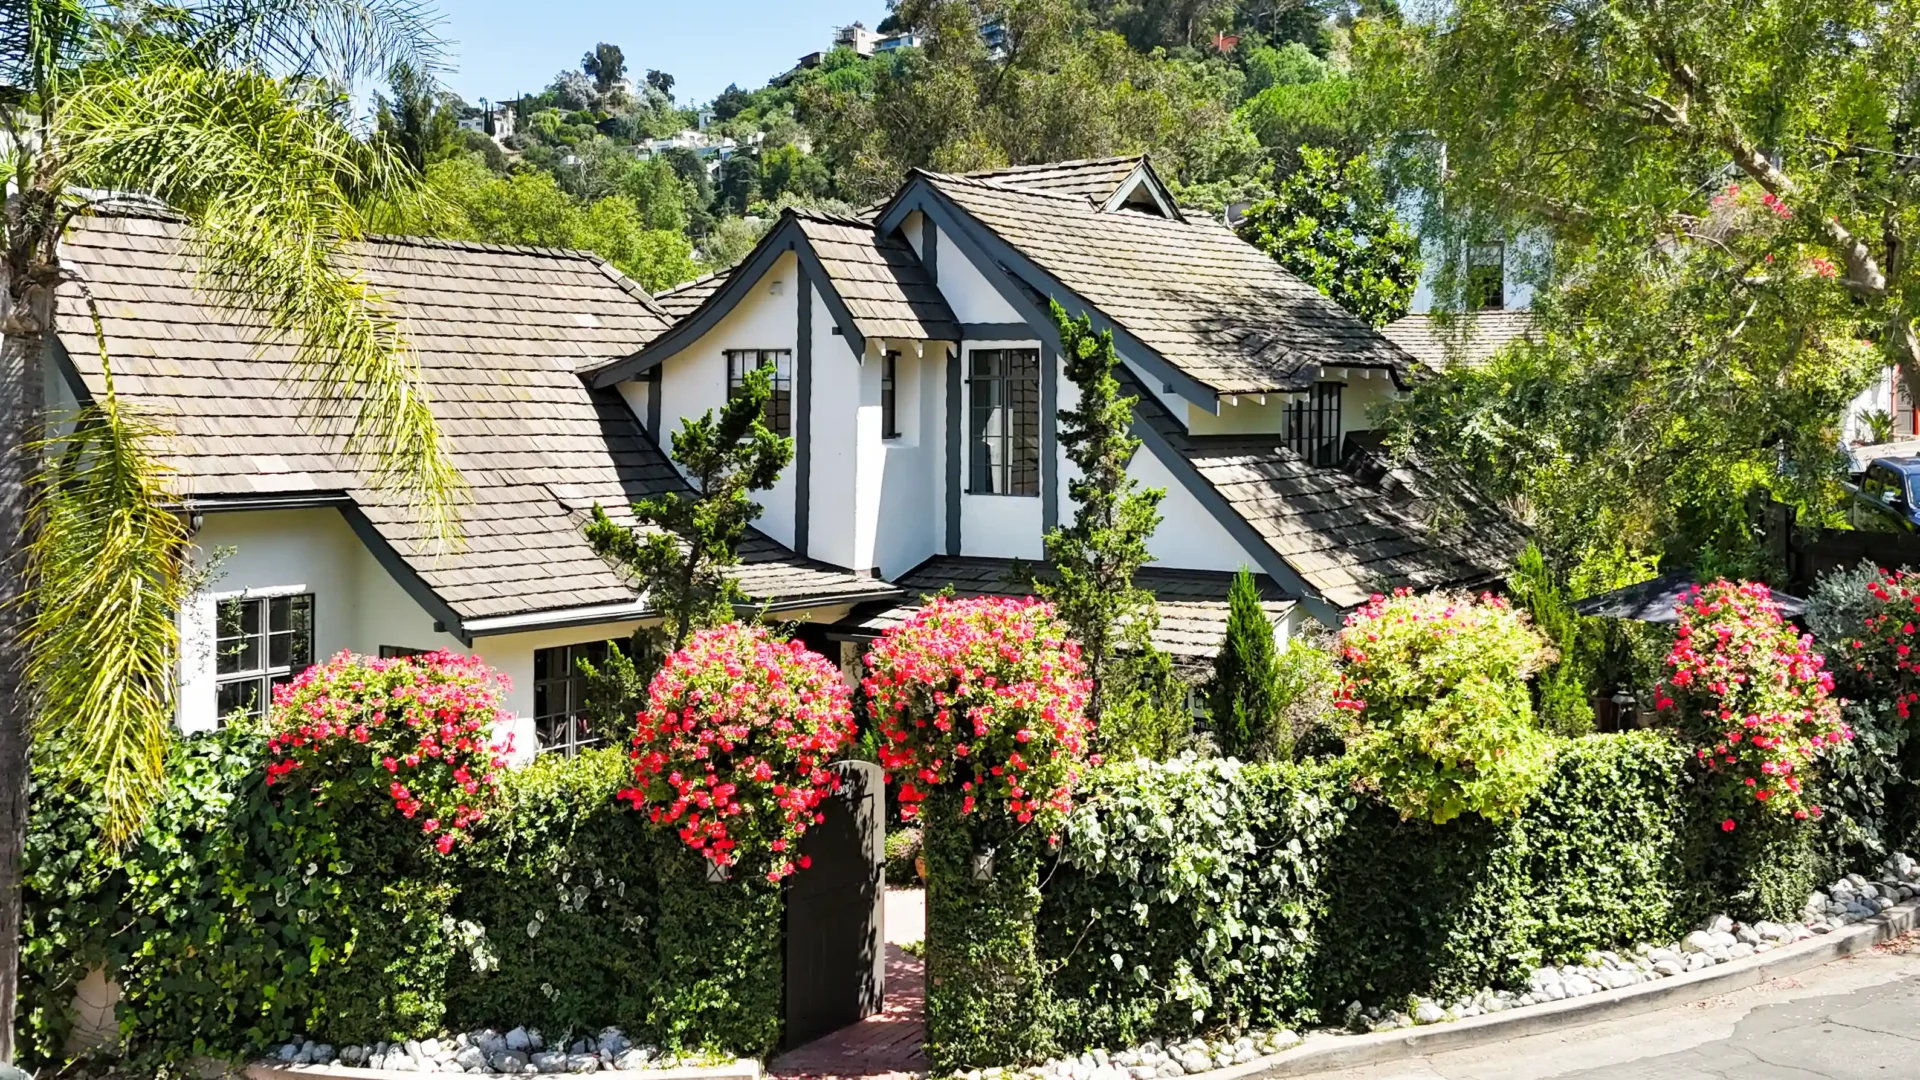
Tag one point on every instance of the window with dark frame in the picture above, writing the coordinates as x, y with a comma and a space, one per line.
560, 721
1313, 425
1486, 276
1003, 390
260, 642
890, 396
400, 652
779, 413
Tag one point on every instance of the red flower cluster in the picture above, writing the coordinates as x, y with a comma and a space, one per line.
1883, 653
1753, 696
989, 692
416, 728
735, 746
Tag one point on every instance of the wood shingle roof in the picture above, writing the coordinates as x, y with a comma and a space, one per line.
499, 333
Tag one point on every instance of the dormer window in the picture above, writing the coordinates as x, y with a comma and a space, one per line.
1313, 425
779, 414
890, 396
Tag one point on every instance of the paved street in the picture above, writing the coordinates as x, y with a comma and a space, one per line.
1855, 1018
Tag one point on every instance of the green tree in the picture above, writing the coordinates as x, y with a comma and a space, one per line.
1292, 64
181, 109
1616, 124
605, 65
1563, 690
739, 184
1246, 673
1093, 560
681, 544
420, 119
1331, 224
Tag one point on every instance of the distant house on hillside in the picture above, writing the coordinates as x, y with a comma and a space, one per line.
1497, 309
915, 366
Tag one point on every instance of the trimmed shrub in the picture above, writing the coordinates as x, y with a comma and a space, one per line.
1442, 720
1240, 697
732, 752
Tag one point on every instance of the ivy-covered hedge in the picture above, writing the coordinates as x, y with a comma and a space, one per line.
233, 923
1194, 894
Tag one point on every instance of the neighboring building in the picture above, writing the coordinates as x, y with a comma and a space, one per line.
495, 120
703, 143
915, 367
897, 41
1497, 311
856, 37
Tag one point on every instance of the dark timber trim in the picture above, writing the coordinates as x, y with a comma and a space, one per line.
996, 331
989, 253
953, 449
656, 388
1244, 534
842, 318
240, 504
803, 413
404, 574
1049, 440
784, 237
930, 248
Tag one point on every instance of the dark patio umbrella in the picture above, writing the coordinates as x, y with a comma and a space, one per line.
1654, 601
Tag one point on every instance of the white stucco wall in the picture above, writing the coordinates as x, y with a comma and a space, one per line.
635, 393
1189, 536
695, 379
909, 510
845, 460
1360, 403
1526, 263
968, 293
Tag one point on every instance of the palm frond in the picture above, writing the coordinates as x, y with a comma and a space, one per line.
272, 180
107, 562
339, 41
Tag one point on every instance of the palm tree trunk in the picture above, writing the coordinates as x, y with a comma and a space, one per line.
22, 396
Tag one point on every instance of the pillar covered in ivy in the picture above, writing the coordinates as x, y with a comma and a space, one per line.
981, 708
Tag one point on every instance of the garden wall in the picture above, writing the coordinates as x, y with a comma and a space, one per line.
232, 923
1189, 895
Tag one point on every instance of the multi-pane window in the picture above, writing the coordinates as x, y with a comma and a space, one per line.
260, 642
1003, 389
1486, 276
890, 396
1313, 425
779, 415
560, 721
400, 652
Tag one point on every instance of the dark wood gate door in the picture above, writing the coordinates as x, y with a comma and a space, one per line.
835, 912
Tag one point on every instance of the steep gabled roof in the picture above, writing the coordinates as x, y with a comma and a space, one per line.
1094, 179
499, 333
1468, 339
1368, 526
1216, 309
1192, 603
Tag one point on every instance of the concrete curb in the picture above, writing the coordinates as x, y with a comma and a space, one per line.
1323, 1052
745, 1069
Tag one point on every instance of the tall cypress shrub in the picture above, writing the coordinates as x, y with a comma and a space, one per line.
1241, 695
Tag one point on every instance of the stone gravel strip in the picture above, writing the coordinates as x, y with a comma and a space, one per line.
746, 1069
1323, 1052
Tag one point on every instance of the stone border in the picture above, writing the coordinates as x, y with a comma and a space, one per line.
1321, 1051
744, 1069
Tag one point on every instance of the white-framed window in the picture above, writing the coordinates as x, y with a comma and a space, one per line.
1003, 430
260, 642
779, 413
560, 721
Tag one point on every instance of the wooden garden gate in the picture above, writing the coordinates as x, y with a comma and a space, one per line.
835, 912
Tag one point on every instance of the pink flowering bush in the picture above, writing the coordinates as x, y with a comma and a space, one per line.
989, 693
415, 729
1441, 718
734, 747
1754, 699
1882, 651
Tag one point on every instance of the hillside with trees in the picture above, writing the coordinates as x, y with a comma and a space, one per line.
1222, 93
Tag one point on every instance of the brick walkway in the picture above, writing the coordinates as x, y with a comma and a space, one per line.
888, 1043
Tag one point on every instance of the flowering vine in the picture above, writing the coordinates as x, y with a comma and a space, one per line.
417, 729
1754, 698
989, 693
1442, 721
734, 748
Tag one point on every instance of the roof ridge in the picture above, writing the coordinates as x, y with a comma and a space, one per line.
1069, 163
485, 247
1013, 189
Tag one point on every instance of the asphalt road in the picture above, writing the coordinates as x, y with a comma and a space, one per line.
1853, 1019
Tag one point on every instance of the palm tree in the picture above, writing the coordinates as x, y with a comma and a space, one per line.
231, 112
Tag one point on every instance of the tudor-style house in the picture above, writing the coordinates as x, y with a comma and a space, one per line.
915, 366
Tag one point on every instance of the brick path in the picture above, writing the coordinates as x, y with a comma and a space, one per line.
888, 1043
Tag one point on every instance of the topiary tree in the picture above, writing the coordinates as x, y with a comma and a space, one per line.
734, 748
1563, 692
1442, 720
1246, 671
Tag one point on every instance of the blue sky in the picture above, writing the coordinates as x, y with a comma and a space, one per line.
500, 48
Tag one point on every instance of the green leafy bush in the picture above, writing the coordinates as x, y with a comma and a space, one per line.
1564, 689
903, 847
1871, 805
1442, 720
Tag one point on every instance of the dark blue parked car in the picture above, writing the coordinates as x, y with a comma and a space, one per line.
1886, 500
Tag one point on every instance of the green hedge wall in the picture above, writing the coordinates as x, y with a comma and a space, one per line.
234, 922
1197, 894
